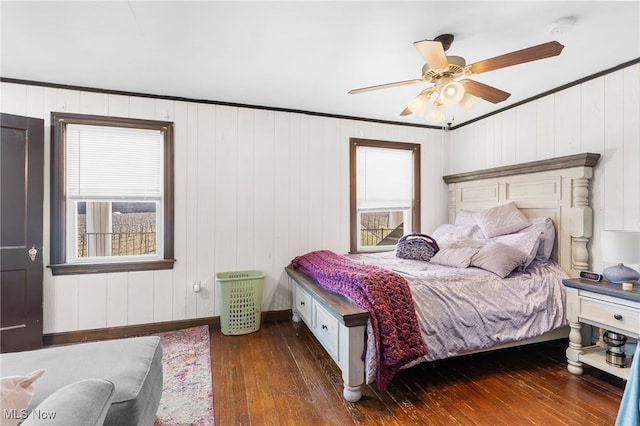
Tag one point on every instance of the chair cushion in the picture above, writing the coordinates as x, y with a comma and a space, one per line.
133, 365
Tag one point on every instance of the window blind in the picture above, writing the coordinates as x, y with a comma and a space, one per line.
113, 163
384, 178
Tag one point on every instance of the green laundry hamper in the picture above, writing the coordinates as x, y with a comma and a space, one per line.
240, 301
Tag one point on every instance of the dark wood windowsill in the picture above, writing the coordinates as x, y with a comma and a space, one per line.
97, 268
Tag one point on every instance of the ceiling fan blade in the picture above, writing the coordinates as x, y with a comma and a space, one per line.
385, 86
541, 51
484, 91
433, 53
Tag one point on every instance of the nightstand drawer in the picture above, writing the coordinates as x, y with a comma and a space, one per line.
327, 330
610, 314
303, 305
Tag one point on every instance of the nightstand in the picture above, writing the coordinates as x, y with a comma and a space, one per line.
604, 305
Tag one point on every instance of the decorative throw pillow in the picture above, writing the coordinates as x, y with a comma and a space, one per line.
498, 258
500, 220
15, 395
548, 237
527, 242
456, 257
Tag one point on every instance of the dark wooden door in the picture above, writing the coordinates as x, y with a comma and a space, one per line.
21, 209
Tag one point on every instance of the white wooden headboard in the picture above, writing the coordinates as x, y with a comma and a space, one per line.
557, 188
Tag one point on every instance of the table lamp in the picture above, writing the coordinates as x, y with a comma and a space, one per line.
621, 247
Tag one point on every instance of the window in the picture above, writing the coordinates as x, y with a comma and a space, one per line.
385, 193
111, 194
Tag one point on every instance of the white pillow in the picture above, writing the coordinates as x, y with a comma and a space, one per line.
500, 220
447, 234
15, 395
464, 217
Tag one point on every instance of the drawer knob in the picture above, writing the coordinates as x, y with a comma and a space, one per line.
301, 303
324, 327
618, 316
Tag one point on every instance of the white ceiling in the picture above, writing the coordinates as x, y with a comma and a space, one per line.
305, 55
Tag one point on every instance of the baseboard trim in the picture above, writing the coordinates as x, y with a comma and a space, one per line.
146, 329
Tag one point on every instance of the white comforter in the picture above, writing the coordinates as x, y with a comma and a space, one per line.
465, 310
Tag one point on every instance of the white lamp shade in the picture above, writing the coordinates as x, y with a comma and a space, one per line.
621, 246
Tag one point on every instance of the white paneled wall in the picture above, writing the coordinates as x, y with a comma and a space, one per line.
600, 116
253, 189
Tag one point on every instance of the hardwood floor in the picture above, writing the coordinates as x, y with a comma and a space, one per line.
280, 375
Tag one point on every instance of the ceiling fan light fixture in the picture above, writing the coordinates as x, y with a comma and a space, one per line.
418, 106
468, 101
451, 93
435, 114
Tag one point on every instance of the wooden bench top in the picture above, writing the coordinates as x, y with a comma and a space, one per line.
346, 312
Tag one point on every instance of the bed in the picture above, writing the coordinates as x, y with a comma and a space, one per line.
459, 308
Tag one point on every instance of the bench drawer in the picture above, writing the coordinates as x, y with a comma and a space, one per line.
303, 305
327, 330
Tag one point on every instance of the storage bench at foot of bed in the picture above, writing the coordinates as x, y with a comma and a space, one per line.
338, 325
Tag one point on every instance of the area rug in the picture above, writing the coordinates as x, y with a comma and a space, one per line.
187, 394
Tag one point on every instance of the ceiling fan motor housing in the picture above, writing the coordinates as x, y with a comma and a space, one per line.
446, 40
455, 68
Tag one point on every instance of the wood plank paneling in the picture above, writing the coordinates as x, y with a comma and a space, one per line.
526, 133
92, 311
278, 296
163, 295
181, 288
140, 297
631, 137
225, 192
117, 299
190, 209
568, 132
206, 209
263, 197
614, 172
245, 242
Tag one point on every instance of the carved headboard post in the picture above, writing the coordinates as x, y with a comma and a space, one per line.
581, 221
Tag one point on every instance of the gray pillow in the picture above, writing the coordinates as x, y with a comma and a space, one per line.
501, 220
459, 257
498, 258
526, 242
82, 403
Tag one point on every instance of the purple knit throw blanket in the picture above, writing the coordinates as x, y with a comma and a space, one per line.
384, 294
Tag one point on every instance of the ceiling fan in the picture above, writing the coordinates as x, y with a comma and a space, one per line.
444, 72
